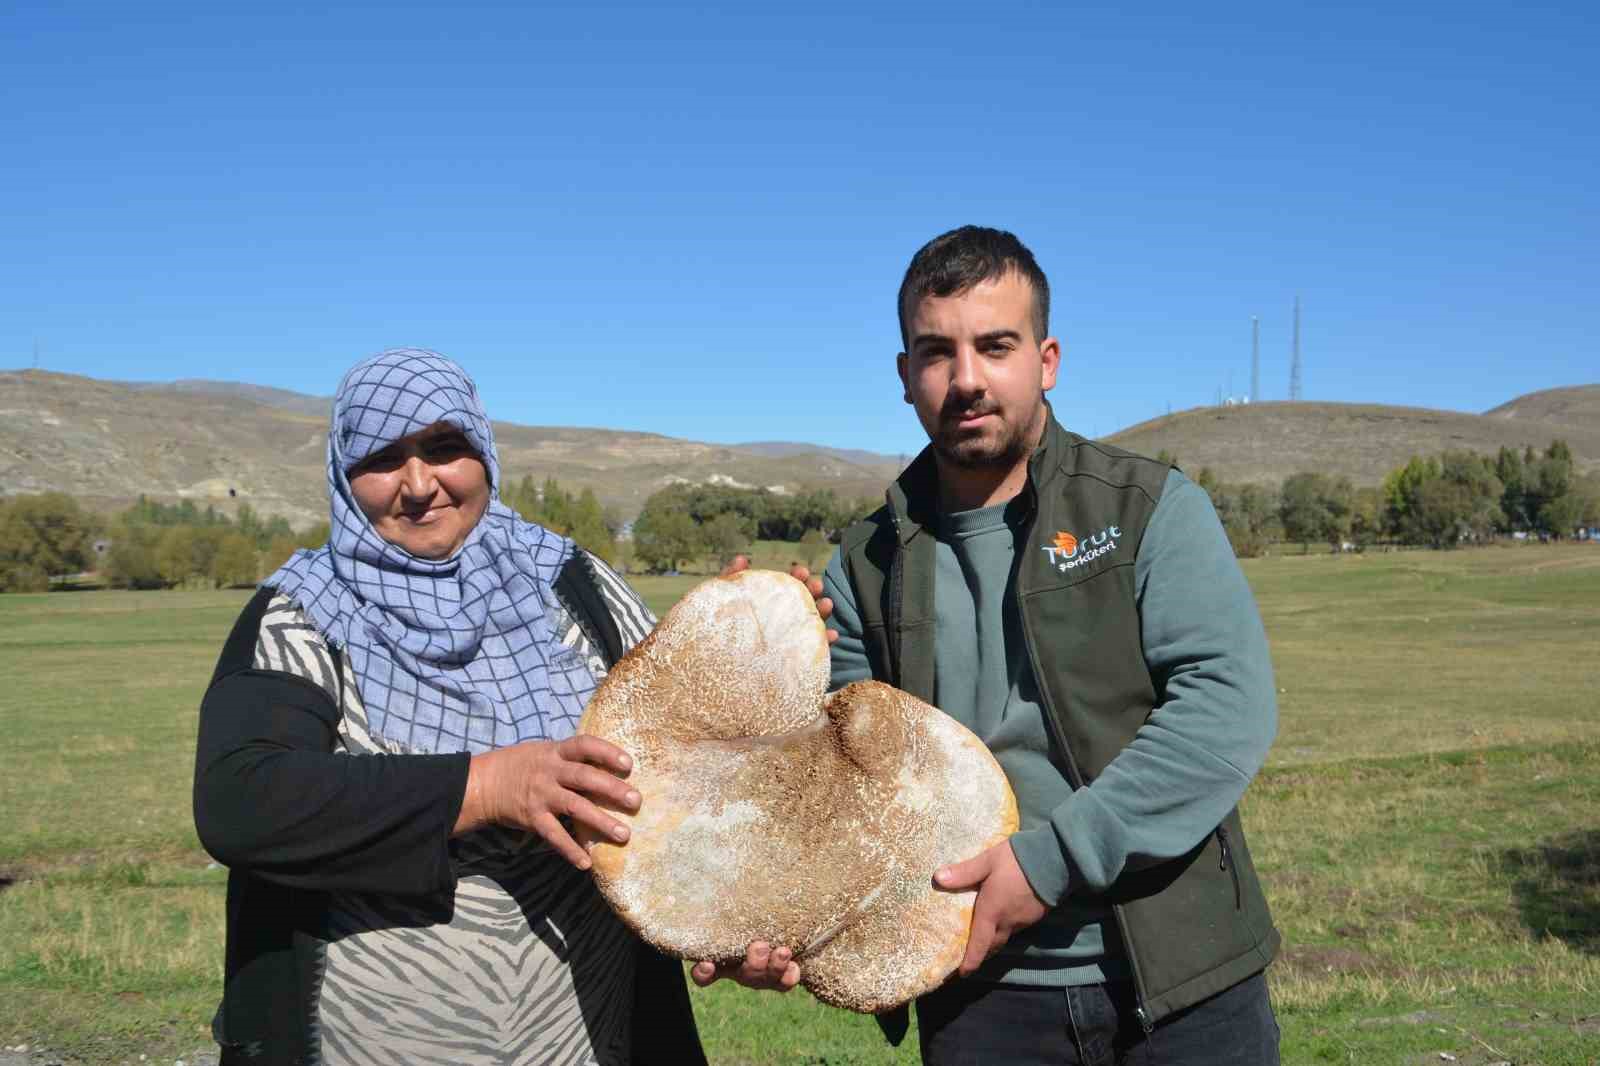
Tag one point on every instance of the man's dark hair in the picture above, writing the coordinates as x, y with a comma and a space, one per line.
954, 262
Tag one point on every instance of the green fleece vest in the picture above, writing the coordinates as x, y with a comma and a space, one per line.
1191, 926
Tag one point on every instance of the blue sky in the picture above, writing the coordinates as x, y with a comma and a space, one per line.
693, 220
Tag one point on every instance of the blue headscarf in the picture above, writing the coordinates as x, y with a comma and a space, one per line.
454, 654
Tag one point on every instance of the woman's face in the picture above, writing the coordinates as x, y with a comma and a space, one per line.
423, 492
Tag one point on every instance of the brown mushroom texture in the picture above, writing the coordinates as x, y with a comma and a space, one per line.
774, 813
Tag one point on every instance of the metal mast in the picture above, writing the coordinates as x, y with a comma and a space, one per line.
1294, 366
1255, 359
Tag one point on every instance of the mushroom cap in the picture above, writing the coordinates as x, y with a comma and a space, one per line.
775, 812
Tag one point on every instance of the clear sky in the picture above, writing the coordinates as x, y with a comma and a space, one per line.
692, 219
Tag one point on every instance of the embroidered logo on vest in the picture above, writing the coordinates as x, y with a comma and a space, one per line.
1068, 552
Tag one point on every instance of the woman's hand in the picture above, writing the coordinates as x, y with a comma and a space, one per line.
535, 784
764, 966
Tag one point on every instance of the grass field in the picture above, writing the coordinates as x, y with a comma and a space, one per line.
1428, 826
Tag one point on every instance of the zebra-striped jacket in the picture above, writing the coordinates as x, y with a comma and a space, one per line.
358, 931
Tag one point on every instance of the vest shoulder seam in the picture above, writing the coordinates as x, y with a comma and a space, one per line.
1110, 483
1111, 451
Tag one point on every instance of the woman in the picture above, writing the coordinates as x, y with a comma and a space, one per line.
386, 751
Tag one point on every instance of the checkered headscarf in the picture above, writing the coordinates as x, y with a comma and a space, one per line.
454, 654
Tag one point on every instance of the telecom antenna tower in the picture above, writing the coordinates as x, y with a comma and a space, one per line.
1255, 359
1294, 365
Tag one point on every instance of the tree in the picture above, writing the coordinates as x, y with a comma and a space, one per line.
1366, 516
662, 537
260, 531
555, 507
1316, 507
724, 537
175, 556
522, 497
235, 563
1549, 479
1481, 493
1587, 489
1437, 518
557, 510
1401, 489
814, 548
187, 554
43, 536
1444, 500
588, 527
1513, 492
1248, 514
131, 563
1562, 515
277, 552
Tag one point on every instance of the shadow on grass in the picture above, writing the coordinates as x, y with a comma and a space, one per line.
1557, 884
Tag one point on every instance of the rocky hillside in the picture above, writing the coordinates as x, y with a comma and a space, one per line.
225, 443
1266, 442
107, 443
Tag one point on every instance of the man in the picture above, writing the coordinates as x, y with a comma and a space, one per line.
1079, 608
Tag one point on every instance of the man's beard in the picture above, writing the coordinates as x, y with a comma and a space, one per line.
977, 451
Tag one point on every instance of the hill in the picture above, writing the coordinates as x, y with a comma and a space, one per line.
225, 443
217, 442
780, 448
1576, 405
1266, 442
298, 402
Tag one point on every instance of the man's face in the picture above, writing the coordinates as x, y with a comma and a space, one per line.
976, 373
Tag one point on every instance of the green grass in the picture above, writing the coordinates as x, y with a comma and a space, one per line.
1428, 826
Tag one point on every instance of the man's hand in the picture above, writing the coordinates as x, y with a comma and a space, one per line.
814, 586
799, 573
763, 967
1005, 904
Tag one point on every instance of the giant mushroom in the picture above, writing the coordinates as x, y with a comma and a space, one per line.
776, 812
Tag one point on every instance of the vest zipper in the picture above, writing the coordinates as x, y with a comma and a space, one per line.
1225, 862
897, 601
1075, 779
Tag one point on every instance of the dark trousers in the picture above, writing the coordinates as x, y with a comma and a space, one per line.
967, 1023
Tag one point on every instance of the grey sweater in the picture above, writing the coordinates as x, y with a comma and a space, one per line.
1186, 768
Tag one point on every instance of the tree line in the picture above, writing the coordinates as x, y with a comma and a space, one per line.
159, 545
1437, 501
683, 523
148, 545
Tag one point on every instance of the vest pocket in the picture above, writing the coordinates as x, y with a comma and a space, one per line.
1225, 862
